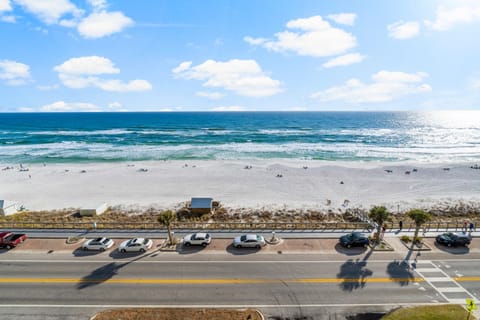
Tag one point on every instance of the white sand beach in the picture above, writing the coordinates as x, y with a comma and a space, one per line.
267, 184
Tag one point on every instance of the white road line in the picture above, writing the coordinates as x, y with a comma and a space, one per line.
446, 278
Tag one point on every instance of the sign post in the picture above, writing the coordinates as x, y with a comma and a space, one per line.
471, 306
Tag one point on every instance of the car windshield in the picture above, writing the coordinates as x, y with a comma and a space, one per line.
259, 238
105, 241
243, 238
145, 241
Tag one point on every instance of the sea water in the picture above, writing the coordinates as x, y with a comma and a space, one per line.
442, 136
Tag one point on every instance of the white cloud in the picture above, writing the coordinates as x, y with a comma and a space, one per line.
98, 4
62, 106
83, 72
9, 19
87, 65
116, 106
14, 73
244, 77
210, 95
48, 87
5, 5
312, 37
446, 18
228, 109
25, 109
344, 60
101, 24
386, 86
254, 41
343, 18
50, 11
403, 30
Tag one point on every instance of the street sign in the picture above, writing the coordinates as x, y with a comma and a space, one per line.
471, 306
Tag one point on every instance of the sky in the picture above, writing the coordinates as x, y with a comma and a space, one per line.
249, 55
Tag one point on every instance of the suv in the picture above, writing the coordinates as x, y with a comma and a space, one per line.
354, 239
452, 239
197, 239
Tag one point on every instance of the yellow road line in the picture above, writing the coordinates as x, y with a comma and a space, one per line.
209, 281
466, 279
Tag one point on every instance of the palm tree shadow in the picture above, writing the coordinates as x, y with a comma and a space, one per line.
354, 275
400, 272
105, 273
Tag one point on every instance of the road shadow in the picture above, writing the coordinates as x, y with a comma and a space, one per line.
366, 316
105, 272
452, 250
183, 249
400, 272
241, 251
354, 251
354, 274
115, 254
79, 252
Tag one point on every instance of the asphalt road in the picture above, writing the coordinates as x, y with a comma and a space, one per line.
284, 287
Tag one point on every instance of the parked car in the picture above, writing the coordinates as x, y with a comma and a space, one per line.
135, 245
249, 241
10, 240
453, 239
197, 239
101, 244
354, 239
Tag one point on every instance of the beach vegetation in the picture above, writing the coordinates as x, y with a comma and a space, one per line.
167, 218
380, 215
439, 312
419, 217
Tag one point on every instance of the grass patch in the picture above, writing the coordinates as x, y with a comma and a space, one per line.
178, 314
440, 312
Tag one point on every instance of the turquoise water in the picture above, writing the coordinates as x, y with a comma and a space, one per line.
347, 136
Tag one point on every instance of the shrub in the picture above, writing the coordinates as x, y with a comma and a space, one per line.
405, 238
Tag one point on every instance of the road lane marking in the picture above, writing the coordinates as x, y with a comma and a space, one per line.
445, 291
208, 281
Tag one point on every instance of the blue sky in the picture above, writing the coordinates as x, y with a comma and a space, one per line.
153, 55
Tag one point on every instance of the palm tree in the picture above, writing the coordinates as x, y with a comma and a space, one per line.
419, 216
380, 215
166, 218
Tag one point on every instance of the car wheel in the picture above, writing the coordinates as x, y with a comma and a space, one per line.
238, 246
84, 248
123, 251
257, 246
142, 250
187, 244
349, 246
8, 247
204, 244
102, 249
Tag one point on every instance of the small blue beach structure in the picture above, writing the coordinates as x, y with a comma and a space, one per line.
202, 205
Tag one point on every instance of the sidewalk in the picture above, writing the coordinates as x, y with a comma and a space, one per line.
219, 234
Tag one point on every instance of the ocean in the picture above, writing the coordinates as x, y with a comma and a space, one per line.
435, 137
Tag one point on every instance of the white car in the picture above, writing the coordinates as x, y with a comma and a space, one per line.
197, 239
135, 245
101, 244
249, 241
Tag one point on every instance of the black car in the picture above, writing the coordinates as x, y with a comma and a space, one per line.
354, 239
452, 239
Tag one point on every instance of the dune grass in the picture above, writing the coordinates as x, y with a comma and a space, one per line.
178, 314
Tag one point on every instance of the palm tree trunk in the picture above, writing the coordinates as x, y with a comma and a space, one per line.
415, 235
170, 239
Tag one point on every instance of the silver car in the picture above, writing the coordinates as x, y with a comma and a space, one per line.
135, 245
249, 241
101, 244
197, 239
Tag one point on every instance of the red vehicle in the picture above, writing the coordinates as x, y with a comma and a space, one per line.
10, 240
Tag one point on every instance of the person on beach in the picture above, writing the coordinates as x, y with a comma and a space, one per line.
465, 224
400, 225
471, 227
